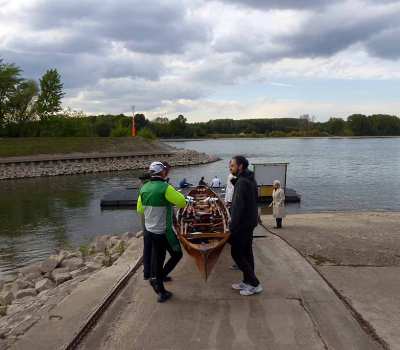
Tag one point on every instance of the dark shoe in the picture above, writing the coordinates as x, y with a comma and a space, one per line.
146, 276
153, 283
167, 279
164, 296
277, 227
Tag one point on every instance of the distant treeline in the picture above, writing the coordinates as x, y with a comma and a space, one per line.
70, 123
33, 109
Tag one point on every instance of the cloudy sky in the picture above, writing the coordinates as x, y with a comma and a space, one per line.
212, 59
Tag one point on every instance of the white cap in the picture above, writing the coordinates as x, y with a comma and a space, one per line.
156, 167
277, 182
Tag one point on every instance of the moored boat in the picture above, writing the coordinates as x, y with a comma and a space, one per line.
202, 227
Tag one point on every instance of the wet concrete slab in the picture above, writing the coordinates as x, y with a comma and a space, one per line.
295, 310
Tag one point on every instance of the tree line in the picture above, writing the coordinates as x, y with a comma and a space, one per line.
25, 101
32, 109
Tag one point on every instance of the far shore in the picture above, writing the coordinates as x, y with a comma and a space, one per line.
278, 138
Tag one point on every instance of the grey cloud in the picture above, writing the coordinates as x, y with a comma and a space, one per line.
83, 70
143, 26
294, 4
70, 44
145, 95
282, 4
385, 44
325, 36
221, 70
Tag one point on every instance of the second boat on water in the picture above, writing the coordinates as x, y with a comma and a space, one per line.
202, 227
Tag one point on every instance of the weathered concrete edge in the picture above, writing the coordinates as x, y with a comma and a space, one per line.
59, 327
332, 316
83, 156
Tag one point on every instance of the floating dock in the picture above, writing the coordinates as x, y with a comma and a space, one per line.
129, 196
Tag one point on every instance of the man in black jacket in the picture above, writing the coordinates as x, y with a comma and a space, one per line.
244, 218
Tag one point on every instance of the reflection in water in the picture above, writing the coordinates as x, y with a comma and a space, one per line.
41, 215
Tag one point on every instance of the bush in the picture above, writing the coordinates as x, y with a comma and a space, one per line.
253, 134
313, 133
3, 310
277, 134
346, 132
147, 133
120, 131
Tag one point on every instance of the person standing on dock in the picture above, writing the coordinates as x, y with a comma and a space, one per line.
156, 200
148, 255
278, 201
228, 200
244, 219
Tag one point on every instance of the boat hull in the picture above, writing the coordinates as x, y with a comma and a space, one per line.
203, 241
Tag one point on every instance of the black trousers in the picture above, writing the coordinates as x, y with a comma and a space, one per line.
160, 248
278, 222
242, 254
148, 255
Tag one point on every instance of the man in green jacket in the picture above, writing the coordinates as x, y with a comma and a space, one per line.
156, 200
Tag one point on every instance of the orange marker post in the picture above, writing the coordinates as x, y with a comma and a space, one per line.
133, 122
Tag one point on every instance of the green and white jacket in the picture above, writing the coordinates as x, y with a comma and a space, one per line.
156, 200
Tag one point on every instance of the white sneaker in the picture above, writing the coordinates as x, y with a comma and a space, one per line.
250, 290
240, 286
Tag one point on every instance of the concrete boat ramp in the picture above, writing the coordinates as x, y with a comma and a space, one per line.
296, 310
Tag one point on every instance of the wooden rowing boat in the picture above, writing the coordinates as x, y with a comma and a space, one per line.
202, 227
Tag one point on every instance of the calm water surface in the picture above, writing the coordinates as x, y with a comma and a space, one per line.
38, 216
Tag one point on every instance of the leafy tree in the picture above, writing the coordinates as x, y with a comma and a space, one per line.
306, 123
140, 121
10, 78
161, 126
359, 124
103, 126
147, 133
120, 130
22, 105
384, 125
49, 101
177, 126
253, 134
336, 126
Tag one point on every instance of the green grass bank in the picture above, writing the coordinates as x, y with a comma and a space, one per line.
20, 147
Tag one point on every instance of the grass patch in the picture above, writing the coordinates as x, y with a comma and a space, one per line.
29, 146
87, 248
3, 310
320, 260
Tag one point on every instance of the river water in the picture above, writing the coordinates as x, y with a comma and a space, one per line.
41, 215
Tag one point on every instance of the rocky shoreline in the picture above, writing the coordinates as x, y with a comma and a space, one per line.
180, 158
37, 289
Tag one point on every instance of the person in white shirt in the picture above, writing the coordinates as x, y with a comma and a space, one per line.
216, 182
228, 200
229, 191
